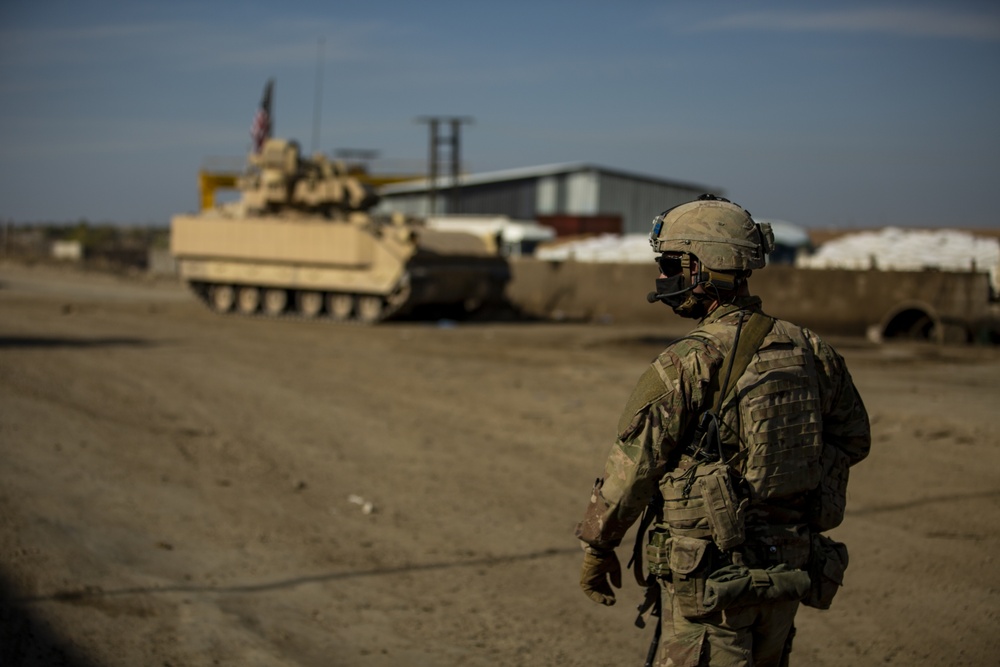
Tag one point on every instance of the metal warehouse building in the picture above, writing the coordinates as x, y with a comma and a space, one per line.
571, 190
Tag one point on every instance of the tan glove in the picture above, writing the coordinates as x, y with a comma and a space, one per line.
601, 570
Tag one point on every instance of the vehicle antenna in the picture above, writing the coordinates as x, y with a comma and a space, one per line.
319, 95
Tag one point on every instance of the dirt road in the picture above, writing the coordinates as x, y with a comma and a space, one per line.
179, 488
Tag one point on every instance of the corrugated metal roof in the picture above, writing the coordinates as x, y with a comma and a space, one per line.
540, 171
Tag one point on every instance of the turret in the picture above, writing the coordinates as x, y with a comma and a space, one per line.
278, 178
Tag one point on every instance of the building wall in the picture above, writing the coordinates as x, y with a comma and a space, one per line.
583, 192
515, 199
551, 195
638, 201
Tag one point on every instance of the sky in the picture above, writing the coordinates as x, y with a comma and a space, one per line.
827, 114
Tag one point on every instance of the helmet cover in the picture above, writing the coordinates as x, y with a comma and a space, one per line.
722, 235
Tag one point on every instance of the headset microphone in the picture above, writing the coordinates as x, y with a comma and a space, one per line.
653, 297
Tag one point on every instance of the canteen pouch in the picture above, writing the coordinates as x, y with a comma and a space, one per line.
689, 568
739, 586
724, 509
827, 562
658, 553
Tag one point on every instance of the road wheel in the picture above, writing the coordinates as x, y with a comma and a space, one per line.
340, 306
369, 309
222, 297
248, 300
310, 304
275, 301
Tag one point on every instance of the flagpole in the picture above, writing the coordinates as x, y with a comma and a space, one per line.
263, 120
319, 95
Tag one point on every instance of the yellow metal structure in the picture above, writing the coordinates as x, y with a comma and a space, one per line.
210, 181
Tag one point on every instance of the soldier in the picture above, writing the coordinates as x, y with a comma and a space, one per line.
734, 447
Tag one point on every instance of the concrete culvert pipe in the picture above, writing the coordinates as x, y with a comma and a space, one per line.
911, 323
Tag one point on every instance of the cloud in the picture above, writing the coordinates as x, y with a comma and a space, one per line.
899, 21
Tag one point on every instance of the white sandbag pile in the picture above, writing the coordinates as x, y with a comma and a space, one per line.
603, 248
895, 249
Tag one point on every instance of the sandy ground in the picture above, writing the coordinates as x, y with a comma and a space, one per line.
179, 488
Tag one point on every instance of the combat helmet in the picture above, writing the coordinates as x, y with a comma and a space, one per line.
711, 244
722, 235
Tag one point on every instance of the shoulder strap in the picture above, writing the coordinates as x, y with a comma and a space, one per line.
706, 443
738, 359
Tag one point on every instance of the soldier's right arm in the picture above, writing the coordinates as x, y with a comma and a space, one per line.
649, 429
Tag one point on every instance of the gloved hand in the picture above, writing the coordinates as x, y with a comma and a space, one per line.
601, 570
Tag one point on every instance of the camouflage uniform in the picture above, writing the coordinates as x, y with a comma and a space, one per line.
652, 447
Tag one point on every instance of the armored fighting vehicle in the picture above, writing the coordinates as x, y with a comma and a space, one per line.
301, 240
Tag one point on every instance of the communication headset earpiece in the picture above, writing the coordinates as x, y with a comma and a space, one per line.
718, 281
715, 280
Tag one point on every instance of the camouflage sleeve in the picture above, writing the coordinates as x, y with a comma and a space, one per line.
845, 419
649, 430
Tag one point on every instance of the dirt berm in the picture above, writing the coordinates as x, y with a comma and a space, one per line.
180, 488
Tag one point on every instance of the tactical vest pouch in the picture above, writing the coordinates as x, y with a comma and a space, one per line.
658, 553
724, 509
701, 502
827, 563
683, 507
738, 586
689, 568
830, 499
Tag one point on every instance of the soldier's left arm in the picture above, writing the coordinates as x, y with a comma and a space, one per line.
845, 418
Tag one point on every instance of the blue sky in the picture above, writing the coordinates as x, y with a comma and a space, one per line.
829, 114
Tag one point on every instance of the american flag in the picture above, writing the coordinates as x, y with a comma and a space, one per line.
260, 131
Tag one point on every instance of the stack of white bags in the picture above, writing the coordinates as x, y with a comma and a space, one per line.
894, 249
889, 249
604, 248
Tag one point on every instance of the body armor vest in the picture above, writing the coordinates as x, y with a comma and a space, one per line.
770, 426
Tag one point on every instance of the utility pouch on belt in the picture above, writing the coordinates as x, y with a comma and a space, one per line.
689, 569
827, 562
738, 586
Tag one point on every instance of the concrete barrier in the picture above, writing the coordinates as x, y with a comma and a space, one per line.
947, 307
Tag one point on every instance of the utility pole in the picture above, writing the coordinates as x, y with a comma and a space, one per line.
454, 143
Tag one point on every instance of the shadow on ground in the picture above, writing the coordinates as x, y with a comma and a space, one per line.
26, 640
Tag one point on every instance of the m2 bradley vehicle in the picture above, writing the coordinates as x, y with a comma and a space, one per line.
301, 240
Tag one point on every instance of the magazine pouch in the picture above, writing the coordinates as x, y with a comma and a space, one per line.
724, 509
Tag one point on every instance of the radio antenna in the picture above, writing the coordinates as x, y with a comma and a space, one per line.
319, 95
